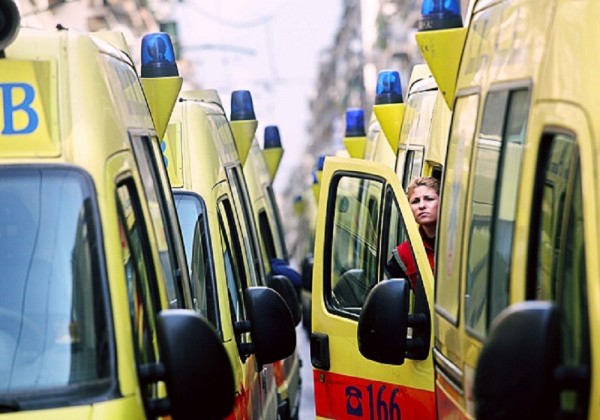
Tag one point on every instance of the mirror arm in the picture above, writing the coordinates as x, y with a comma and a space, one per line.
152, 372
246, 349
159, 407
572, 377
417, 320
414, 346
241, 327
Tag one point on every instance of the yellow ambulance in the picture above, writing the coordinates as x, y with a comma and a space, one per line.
85, 329
211, 196
402, 141
519, 215
260, 169
363, 213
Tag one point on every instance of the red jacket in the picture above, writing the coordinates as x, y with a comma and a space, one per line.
404, 260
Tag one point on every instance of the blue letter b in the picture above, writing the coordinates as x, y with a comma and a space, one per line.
10, 108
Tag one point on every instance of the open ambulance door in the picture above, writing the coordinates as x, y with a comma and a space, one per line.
363, 215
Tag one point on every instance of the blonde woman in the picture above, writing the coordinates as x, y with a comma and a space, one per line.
424, 197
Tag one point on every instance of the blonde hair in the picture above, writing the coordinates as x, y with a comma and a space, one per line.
424, 181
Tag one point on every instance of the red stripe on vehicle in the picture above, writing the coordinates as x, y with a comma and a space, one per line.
447, 406
340, 396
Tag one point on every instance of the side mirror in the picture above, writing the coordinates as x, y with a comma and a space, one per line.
307, 272
195, 368
384, 322
271, 325
283, 285
515, 375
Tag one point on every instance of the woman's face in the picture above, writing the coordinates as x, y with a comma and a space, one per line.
424, 204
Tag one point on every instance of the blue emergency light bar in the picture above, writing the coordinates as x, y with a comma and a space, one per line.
242, 108
158, 56
321, 162
315, 178
272, 139
440, 14
355, 122
389, 88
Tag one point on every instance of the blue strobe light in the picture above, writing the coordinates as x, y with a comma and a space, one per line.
242, 108
389, 88
355, 122
321, 162
440, 14
272, 138
158, 56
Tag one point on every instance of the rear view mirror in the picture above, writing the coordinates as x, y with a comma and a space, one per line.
197, 371
515, 375
271, 325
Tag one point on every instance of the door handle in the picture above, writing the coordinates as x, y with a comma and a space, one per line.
319, 351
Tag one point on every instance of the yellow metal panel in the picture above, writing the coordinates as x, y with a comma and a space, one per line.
443, 50
243, 133
173, 154
273, 159
355, 146
161, 94
435, 153
390, 118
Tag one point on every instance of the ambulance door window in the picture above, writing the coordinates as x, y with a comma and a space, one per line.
266, 235
395, 243
393, 234
414, 165
353, 238
235, 269
452, 207
487, 155
191, 211
275, 211
401, 162
408, 168
141, 281
242, 201
509, 175
496, 178
557, 271
160, 220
